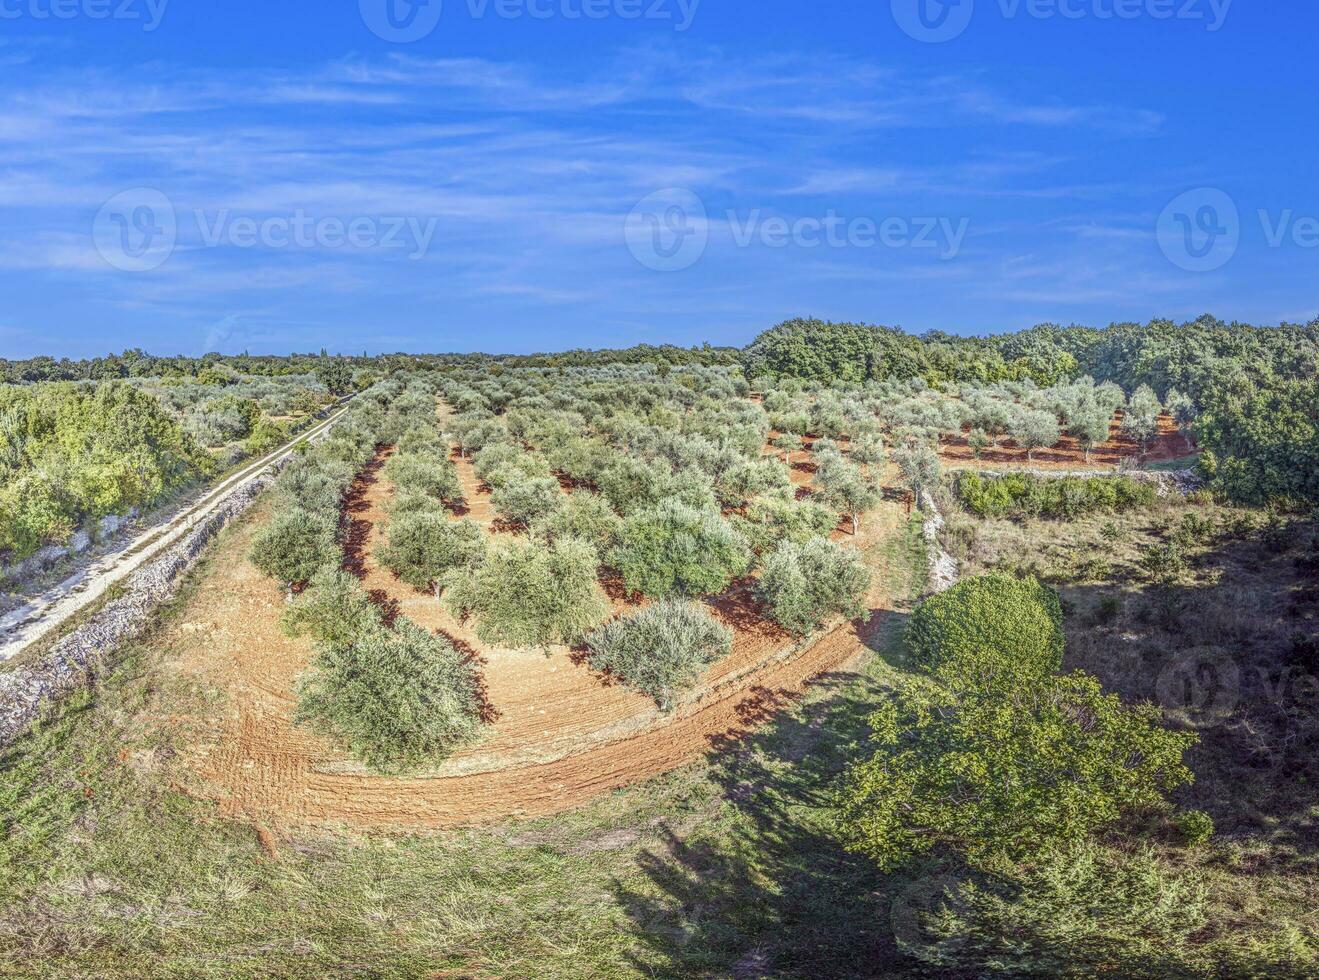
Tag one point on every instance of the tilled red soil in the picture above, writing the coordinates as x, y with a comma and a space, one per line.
560, 733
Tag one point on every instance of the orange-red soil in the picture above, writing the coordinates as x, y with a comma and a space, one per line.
1171, 443
559, 733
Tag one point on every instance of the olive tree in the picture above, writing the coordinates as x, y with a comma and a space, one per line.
526, 593
674, 549
804, 584
523, 500
423, 546
1033, 428
396, 698
660, 650
295, 545
1140, 419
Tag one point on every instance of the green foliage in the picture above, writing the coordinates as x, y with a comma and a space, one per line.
523, 500
1022, 495
264, 437
424, 545
1074, 912
1196, 827
989, 626
1033, 429
583, 515
662, 649
72, 452
978, 441
335, 610
426, 472
1140, 420
395, 698
295, 545
804, 584
921, 470
528, 594
674, 549
1263, 444
775, 518
1004, 769
336, 374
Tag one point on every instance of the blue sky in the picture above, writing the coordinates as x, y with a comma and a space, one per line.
187, 176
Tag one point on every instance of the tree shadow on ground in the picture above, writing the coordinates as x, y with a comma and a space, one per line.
772, 893
1231, 657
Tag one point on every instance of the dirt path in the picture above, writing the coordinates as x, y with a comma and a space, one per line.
559, 735
29, 623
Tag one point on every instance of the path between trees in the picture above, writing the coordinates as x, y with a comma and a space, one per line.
559, 736
36, 619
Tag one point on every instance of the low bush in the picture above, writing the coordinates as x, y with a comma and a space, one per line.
988, 626
674, 549
395, 698
660, 650
295, 545
1021, 495
804, 584
424, 545
525, 593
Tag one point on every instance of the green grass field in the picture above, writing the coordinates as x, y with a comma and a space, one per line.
720, 868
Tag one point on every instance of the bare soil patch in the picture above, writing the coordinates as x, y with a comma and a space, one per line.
1171, 443
560, 733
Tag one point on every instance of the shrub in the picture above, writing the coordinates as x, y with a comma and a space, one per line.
1004, 769
295, 545
989, 625
396, 699
584, 515
428, 473
804, 584
523, 500
424, 545
1077, 911
674, 549
334, 610
529, 594
1196, 827
662, 649
1021, 495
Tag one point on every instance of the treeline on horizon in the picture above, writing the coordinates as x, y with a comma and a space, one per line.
1253, 390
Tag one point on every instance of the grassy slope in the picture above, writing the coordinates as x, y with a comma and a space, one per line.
1227, 648
718, 868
